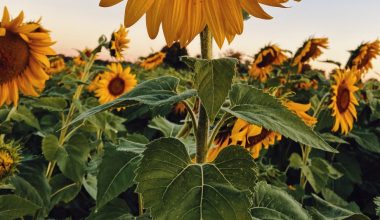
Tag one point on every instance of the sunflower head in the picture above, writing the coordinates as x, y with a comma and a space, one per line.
114, 83
153, 60
310, 50
83, 56
9, 159
180, 109
23, 58
343, 100
57, 65
264, 61
183, 20
301, 111
119, 42
361, 58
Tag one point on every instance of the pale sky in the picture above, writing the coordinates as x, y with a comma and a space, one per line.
78, 23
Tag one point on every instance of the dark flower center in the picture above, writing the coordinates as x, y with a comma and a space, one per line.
268, 59
252, 141
14, 56
343, 99
116, 86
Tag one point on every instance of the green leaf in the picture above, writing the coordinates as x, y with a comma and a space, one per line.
26, 190
73, 164
167, 128
63, 189
318, 173
156, 92
12, 207
295, 161
270, 202
333, 139
51, 149
175, 188
366, 140
117, 209
377, 203
116, 174
323, 210
23, 114
213, 79
259, 108
133, 143
56, 104
90, 184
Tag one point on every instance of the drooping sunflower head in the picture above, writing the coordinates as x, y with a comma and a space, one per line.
301, 111
9, 159
81, 59
361, 58
343, 100
23, 58
57, 65
183, 20
153, 60
264, 61
310, 50
119, 42
114, 83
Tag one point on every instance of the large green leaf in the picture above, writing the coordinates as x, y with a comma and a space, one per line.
23, 114
175, 188
116, 174
366, 140
261, 109
73, 163
117, 209
213, 79
270, 202
26, 190
51, 149
12, 207
155, 92
50, 103
63, 189
323, 210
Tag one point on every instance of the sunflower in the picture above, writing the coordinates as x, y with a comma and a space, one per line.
119, 42
264, 61
114, 83
57, 64
300, 110
153, 60
307, 85
9, 159
343, 100
310, 50
80, 59
182, 20
361, 58
251, 137
23, 57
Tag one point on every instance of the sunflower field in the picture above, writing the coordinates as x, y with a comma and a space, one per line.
178, 137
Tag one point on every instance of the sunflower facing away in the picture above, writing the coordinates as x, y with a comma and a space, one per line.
182, 20
119, 42
249, 136
114, 83
361, 58
152, 61
310, 50
343, 100
57, 64
79, 60
264, 61
23, 57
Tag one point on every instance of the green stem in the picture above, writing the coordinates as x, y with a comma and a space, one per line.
215, 131
72, 110
141, 204
203, 120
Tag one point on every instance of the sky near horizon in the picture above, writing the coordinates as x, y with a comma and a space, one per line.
76, 24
